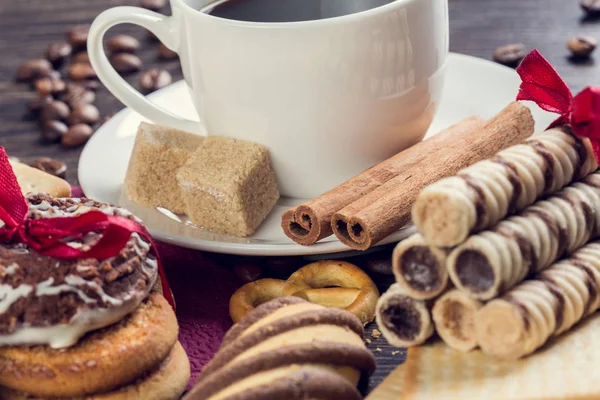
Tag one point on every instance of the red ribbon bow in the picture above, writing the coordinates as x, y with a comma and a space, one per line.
543, 85
44, 235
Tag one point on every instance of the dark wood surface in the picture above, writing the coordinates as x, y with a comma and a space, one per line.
477, 27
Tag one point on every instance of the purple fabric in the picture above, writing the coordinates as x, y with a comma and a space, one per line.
202, 290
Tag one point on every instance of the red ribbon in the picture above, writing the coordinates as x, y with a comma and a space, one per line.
44, 235
543, 85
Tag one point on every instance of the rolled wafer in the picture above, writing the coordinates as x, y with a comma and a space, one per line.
404, 321
494, 261
454, 318
527, 316
420, 270
479, 196
378, 214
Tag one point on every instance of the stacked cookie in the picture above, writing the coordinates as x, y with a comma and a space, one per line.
86, 328
488, 229
288, 348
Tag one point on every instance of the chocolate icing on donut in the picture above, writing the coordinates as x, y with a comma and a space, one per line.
44, 300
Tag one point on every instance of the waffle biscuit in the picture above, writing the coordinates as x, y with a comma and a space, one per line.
420, 270
404, 321
101, 361
288, 348
521, 321
454, 318
479, 196
494, 261
566, 369
166, 382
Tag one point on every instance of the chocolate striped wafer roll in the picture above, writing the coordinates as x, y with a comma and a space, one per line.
494, 261
479, 196
454, 318
404, 321
527, 316
420, 270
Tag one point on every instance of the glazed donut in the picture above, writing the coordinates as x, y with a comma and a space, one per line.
329, 283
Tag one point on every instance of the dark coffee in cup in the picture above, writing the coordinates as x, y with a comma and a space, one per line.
288, 10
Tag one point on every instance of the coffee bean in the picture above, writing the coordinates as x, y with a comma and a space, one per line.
84, 114
81, 71
57, 53
90, 85
126, 63
582, 46
77, 135
247, 272
510, 55
154, 79
50, 86
77, 36
50, 166
53, 131
123, 44
81, 58
164, 53
34, 69
591, 7
77, 94
35, 105
55, 111
154, 5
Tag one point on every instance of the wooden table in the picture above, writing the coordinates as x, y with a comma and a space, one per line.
477, 27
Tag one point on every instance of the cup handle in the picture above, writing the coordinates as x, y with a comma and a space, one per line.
166, 31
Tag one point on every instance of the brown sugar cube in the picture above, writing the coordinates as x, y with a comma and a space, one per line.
158, 153
228, 186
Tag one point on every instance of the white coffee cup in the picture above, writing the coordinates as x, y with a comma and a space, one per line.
329, 98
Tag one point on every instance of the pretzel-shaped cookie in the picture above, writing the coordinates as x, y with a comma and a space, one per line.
337, 284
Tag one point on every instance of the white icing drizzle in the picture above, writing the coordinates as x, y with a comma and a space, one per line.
65, 335
45, 288
8, 295
75, 280
11, 269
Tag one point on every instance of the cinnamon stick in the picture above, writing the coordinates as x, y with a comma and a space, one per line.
310, 222
383, 211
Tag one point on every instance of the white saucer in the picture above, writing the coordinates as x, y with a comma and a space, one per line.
473, 87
